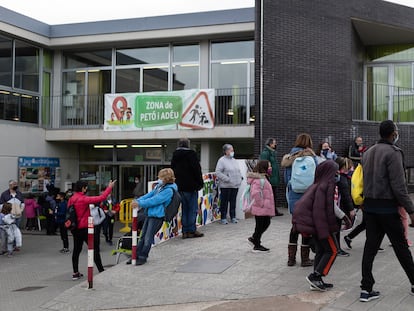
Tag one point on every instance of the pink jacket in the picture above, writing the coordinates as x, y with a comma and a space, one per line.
30, 206
264, 204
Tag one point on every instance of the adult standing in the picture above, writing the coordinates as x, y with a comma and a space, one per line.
356, 150
269, 153
229, 178
385, 190
189, 179
303, 147
80, 235
15, 198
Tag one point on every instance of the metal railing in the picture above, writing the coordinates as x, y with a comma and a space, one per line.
377, 102
233, 106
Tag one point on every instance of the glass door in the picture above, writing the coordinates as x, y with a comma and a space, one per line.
378, 97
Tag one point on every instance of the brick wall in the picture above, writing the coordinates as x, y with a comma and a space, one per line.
311, 55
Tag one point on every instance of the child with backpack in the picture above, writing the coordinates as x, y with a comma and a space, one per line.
315, 216
154, 204
292, 162
262, 203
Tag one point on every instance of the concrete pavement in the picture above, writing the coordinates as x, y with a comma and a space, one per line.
216, 273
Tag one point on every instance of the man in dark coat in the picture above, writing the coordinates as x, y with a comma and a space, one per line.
189, 180
385, 190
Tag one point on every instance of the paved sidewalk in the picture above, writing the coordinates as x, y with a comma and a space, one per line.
246, 280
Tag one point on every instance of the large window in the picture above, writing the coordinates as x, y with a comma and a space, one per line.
232, 64
6, 61
185, 66
26, 74
19, 80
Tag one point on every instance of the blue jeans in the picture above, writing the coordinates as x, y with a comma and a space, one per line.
228, 195
149, 229
189, 210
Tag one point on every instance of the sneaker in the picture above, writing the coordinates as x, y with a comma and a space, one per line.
348, 241
77, 276
66, 251
10, 254
365, 296
326, 285
260, 249
342, 253
380, 250
140, 262
129, 261
234, 221
224, 222
250, 240
278, 214
62, 251
316, 282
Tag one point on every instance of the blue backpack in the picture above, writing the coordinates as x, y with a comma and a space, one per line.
303, 173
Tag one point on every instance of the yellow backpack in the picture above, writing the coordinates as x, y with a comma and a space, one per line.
357, 186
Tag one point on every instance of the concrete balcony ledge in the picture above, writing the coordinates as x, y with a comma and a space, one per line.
94, 135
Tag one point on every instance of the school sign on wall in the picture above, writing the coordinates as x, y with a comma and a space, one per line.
187, 109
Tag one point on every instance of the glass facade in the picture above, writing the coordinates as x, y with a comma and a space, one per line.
388, 91
20, 74
232, 72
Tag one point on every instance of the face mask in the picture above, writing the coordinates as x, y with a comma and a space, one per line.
396, 137
15, 188
269, 171
231, 154
325, 152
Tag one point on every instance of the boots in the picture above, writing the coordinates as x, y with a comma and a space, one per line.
304, 254
292, 248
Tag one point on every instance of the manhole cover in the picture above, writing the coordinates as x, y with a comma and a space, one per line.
29, 288
206, 265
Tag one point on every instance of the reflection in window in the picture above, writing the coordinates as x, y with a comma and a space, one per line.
153, 55
127, 80
6, 46
19, 107
232, 50
155, 79
185, 77
26, 67
229, 75
88, 59
186, 53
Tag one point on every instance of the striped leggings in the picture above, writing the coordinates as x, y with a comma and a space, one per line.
326, 250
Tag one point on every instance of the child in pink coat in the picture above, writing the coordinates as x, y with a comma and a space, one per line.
263, 206
30, 206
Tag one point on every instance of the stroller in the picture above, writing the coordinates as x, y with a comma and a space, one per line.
124, 244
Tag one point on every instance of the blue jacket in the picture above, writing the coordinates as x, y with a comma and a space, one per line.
60, 212
155, 201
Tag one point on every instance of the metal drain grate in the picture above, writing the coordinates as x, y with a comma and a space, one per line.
29, 288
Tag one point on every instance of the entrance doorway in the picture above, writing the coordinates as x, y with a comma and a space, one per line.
129, 175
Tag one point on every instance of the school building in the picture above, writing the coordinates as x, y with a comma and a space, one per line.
53, 81
331, 68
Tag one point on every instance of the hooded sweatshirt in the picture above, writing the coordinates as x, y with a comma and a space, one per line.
314, 212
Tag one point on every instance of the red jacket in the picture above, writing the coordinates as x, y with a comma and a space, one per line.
81, 203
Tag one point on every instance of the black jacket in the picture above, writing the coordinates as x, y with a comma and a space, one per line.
344, 189
187, 170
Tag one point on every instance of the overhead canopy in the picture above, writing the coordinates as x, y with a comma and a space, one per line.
373, 33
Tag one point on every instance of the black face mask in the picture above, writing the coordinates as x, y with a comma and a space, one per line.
14, 188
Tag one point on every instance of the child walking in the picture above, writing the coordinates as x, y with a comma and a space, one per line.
14, 235
263, 207
314, 215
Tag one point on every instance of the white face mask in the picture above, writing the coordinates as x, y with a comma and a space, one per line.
231, 155
396, 137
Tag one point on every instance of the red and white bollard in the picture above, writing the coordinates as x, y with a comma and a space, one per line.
134, 235
90, 252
